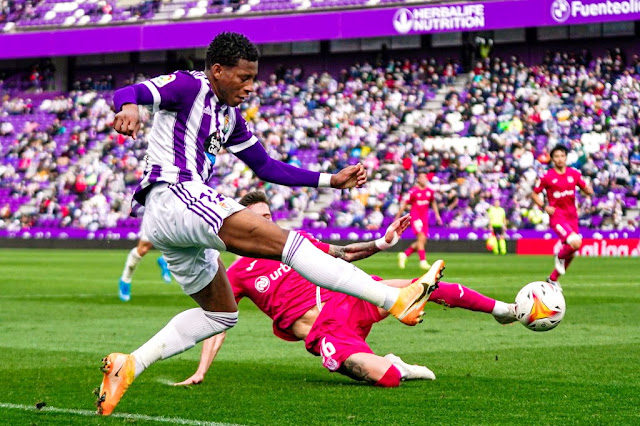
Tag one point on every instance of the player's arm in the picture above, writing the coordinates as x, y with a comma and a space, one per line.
403, 208
536, 196
434, 206
586, 189
244, 145
210, 349
357, 251
163, 92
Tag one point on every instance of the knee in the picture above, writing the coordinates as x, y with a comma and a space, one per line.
144, 247
574, 241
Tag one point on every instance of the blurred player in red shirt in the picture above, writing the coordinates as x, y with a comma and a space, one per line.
559, 184
420, 197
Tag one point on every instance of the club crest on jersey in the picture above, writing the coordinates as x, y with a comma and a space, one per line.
163, 80
262, 284
570, 179
225, 128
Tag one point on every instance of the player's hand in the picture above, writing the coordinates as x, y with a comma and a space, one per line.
439, 221
196, 379
127, 121
550, 210
349, 177
396, 228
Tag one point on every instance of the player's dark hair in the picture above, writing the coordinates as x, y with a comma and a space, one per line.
228, 48
559, 147
254, 197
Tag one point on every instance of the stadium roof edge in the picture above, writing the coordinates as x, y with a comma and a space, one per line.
328, 25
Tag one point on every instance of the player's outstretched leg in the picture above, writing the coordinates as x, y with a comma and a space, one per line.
456, 295
248, 234
164, 269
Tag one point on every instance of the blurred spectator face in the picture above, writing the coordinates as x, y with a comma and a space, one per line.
559, 159
422, 180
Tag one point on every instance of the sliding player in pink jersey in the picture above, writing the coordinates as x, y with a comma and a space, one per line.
332, 325
560, 183
419, 198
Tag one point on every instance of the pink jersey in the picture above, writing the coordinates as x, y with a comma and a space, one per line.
276, 289
561, 192
420, 200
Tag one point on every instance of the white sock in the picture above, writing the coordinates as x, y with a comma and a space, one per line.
182, 333
335, 274
130, 265
501, 309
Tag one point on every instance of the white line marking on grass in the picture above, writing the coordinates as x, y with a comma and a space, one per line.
87, 413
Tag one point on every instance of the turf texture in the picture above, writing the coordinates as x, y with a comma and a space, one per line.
59, 314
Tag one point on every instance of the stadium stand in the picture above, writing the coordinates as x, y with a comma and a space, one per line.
64, 168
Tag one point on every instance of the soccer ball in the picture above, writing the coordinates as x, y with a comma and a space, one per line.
540, 306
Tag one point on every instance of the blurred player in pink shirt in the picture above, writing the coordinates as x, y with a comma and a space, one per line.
420, 197
559, 184
332, 325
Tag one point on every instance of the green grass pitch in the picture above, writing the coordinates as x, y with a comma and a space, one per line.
59, 314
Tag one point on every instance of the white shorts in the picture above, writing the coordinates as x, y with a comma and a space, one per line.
182, 221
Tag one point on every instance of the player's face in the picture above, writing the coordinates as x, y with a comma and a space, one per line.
262, 209
234, 84
422, 179
559, 159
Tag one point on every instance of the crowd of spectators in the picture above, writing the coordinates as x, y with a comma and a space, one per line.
64, 166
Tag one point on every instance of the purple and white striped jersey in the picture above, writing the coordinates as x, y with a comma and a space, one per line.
190, 126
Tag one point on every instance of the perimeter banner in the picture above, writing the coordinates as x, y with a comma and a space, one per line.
305, 26
624, 247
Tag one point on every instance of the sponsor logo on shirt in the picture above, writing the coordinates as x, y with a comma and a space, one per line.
282, 269
163, 80
262, 284
207, 110
560, 194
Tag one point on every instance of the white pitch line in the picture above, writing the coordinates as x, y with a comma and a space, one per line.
87, 413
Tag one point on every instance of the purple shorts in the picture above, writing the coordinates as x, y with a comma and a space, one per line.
341, 329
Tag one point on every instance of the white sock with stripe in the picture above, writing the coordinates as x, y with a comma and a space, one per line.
335, 274
182, 333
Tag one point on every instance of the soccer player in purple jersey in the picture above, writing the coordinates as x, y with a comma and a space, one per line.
195, 116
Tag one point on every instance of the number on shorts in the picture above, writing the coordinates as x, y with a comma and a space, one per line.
327, 348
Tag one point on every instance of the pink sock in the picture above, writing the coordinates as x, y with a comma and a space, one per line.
391, 378
422, 254
567, 262
566, 251
408, 252
459, 296
555, 275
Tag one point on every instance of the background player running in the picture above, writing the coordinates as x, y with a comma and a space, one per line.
131, 264
559, 184
419, 198
332, 325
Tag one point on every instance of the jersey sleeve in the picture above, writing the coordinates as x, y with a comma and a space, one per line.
169, 92
541, 184
241, 138
580, 180
316, 242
